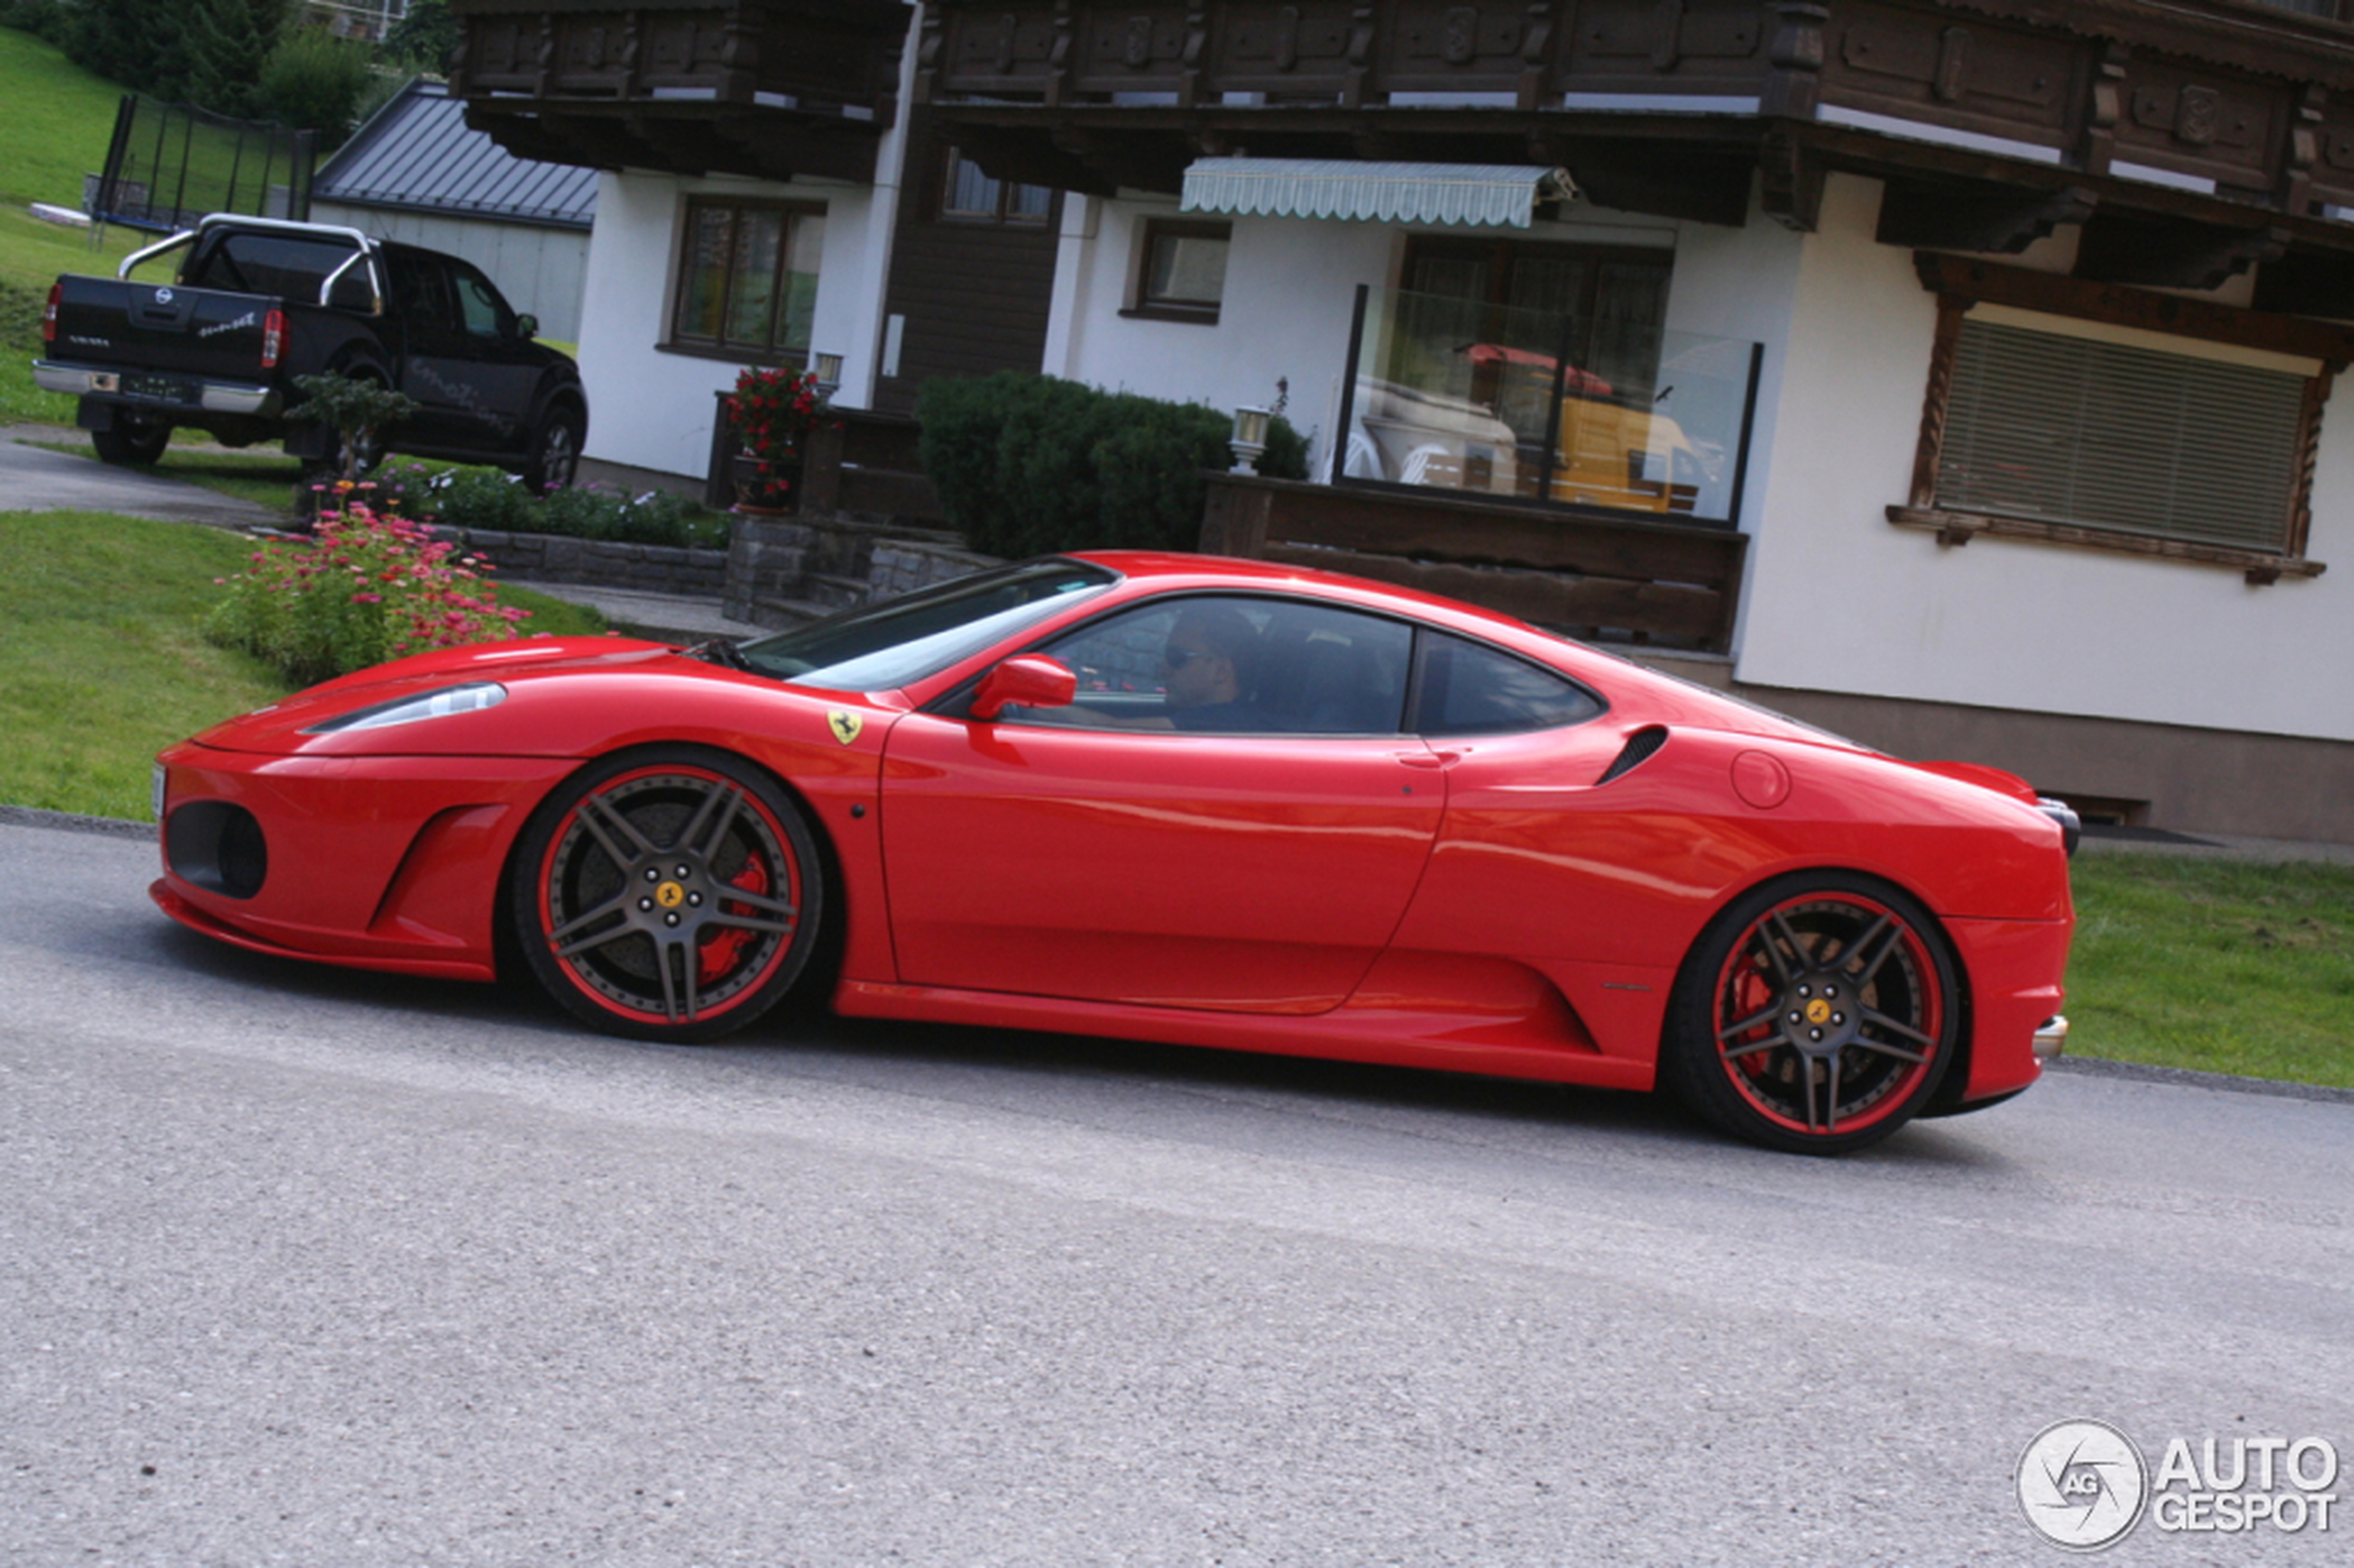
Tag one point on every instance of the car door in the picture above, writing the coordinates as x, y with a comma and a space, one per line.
433, 351
1124, 848
503, 366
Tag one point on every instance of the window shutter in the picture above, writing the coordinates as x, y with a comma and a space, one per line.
2067, 429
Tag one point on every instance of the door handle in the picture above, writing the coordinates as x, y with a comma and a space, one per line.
1430, 759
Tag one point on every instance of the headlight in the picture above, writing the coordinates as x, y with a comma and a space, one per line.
469, 698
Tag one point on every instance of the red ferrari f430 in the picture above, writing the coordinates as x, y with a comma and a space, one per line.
1157, 797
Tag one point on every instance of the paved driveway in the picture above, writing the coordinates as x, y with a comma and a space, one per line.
33, 478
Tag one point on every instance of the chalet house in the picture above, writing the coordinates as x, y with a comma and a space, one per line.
1953, 373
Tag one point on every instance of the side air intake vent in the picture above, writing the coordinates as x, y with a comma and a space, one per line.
1638, 747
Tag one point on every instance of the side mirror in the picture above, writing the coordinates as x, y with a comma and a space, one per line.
527, 326
1029, 680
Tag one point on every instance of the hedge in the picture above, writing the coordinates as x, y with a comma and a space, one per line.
1029, 464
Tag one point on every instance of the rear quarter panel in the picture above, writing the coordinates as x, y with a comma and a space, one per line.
1605, 888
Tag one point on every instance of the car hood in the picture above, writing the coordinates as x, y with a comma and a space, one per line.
544, 681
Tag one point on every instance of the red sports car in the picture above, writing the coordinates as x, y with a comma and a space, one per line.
1160, 797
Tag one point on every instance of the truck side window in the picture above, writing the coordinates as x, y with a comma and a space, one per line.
479, 307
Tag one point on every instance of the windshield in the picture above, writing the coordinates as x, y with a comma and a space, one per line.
879, 647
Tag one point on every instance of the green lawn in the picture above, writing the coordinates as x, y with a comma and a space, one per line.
60, 118
2218, 966
103, 661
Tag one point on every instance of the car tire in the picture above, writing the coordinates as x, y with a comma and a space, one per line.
555, 451
133, 443
672, 894
1816, 1014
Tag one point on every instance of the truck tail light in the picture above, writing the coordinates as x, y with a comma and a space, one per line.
49, 316
273, 338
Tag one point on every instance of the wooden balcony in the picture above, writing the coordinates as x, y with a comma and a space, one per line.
2196, 135
768, 88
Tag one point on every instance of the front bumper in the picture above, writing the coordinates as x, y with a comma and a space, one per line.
118, 386
380, 862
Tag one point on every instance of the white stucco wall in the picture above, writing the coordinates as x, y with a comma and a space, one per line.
1837, 599
651, 409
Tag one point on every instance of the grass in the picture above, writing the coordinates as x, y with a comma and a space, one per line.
60, 118
2218, 966
103, 661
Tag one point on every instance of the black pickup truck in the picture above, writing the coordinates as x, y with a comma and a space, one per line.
259, 301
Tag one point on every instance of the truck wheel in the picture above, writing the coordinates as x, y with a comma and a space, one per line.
133, 443
555, 451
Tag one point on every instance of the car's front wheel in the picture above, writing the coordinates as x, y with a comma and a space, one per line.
673, 894
1816, 1014
555, 451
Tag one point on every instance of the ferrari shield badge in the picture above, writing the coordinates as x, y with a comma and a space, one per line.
844, 726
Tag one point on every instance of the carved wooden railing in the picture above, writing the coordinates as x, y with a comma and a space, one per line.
2225, 98
1655, 583
766, 87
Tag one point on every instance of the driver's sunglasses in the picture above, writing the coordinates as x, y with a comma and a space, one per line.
1178, 658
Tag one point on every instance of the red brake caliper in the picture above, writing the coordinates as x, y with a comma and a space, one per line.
727, 944
1752, 990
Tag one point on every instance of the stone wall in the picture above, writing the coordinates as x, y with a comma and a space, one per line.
553, 558
773, 572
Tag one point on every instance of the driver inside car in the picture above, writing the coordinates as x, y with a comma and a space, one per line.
1208, 668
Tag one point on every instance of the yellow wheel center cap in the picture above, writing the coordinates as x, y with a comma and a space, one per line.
670, 895
1818, 1011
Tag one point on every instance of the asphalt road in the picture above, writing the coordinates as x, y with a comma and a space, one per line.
313, 1267
33, 478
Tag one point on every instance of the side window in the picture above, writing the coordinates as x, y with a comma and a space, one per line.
968, 194
1235, 665
479, 307
1180, 270
1470, 688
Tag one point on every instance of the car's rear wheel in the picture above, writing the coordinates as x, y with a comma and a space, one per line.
1816, 1014
672, 894
136, 443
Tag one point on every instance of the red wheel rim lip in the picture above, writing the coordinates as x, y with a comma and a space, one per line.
790, 867
1924, 966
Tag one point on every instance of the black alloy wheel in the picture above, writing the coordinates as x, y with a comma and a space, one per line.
672, 894
555, 451
1816, 1014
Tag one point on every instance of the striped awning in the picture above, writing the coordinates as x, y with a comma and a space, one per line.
1473, 194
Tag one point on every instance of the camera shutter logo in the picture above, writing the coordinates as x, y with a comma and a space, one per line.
2082, 1485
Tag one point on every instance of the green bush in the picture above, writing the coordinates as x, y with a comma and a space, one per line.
485, 498
1028, 464
475, 498
53, 22
657, 517
313, 80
